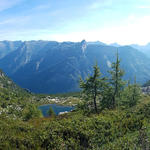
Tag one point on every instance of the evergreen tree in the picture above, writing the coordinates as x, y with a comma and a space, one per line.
106, 101
31, 111
131, 94
116, 80
126, 95
51, 112
135, 94
92, 87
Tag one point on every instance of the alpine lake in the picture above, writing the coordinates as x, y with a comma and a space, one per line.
58, 109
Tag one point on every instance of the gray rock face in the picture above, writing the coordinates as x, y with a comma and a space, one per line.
8, 46
83, 46
146, 90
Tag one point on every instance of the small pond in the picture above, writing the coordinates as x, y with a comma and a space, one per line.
57, 109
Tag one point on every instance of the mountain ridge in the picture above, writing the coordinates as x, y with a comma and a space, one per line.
55, 67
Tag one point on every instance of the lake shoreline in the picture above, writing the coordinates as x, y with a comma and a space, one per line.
56, 108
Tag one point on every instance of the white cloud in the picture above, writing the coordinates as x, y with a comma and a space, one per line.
100, 4
94, 6
133, 30
144, 7
8, 21
16, 21
41, 7
5, 4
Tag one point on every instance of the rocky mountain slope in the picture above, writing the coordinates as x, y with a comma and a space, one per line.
143, 48
53, 67
8, 46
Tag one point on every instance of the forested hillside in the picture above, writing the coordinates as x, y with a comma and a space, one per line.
15, 102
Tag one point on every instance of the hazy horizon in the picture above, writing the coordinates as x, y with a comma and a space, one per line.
79, 41
109, 21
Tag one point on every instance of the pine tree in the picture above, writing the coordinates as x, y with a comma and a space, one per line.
116, 80
51, 112
135, 94
106, 101
131, 94
92, 87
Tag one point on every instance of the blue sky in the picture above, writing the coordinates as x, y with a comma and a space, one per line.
109, 21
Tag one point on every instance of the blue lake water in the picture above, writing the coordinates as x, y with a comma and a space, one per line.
57, 109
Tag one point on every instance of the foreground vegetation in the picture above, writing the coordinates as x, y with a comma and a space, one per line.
111, 129
111, 115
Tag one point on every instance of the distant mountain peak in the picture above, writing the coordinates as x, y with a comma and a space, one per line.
83, 45
97, 43
115, 44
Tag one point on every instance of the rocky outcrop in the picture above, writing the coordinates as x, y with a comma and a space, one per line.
83, 45
146, 90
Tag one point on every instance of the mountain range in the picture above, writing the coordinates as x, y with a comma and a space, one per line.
145, 48
54, 67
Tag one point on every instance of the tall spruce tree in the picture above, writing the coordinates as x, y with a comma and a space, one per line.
135, 94
92, 87
116, 80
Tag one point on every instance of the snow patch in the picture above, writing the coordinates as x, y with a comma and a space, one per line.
108, 63
38, 64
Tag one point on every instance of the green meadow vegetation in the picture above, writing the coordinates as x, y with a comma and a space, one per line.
111, 114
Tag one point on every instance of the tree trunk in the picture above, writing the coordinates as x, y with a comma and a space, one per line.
95, 105
95, 95
113, 101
